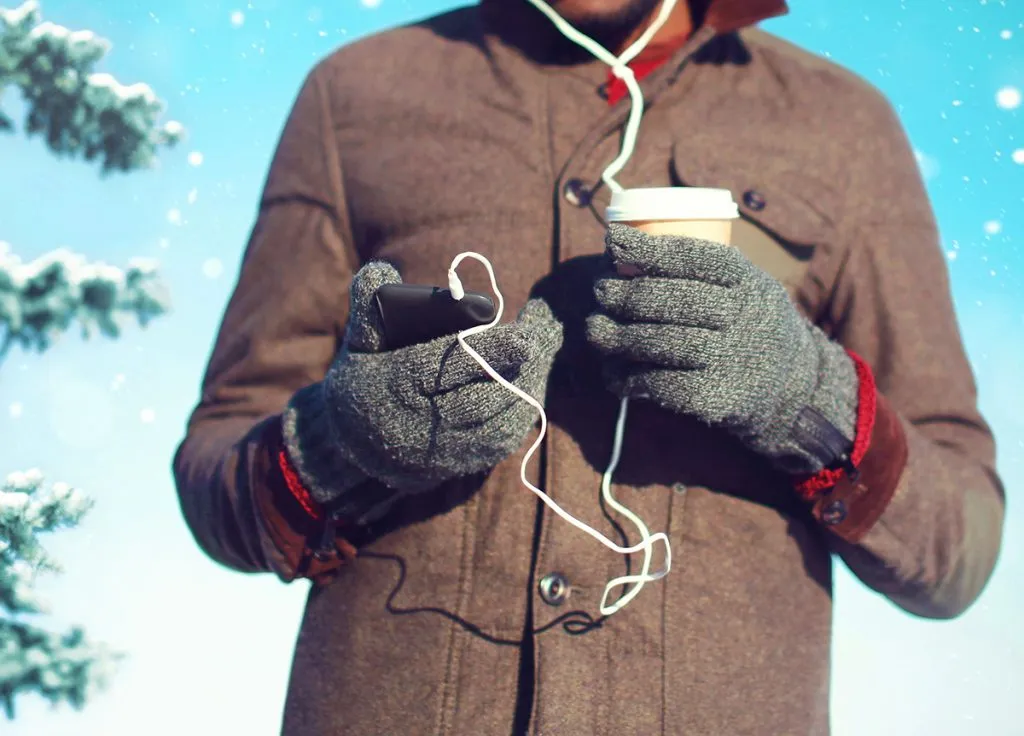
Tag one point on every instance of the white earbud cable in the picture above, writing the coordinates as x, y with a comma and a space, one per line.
648, 539
620, 68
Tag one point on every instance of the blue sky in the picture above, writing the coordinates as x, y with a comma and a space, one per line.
210, 649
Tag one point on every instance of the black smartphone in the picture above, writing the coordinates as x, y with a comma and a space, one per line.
413, 314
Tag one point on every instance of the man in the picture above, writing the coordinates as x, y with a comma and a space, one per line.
445, 598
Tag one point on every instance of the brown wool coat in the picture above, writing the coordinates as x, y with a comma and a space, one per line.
473, 131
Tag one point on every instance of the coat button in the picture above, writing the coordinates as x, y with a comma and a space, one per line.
834, 513
754, 200
554, 588
576, 193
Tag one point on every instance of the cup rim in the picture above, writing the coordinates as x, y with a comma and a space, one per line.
649, 204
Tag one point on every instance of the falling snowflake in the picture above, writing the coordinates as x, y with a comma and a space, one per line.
1008, 98
237, 18
174, 216
993, 227
164, 243
212, 268
15, 410
1006, 35
370, 3
195, 158
146, 416
174, 129
193, 195
1018, 156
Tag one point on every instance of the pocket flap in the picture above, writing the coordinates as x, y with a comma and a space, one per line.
772, 189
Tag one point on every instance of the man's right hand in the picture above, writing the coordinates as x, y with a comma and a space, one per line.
418, 416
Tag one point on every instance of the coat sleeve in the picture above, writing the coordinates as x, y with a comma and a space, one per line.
924, 521
278, 334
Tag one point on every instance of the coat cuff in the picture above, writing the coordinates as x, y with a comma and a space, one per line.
850, 500
292, 520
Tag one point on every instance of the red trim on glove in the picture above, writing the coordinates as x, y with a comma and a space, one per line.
291, 479
866, 405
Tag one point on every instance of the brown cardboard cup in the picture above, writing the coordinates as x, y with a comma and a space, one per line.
706, 214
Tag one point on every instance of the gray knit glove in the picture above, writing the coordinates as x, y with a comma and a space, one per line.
703, 332
415, 417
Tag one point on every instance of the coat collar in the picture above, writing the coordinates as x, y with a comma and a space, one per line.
726, 16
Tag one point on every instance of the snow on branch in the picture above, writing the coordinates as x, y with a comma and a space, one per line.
60, 667
41, 299
26, 510
78, 111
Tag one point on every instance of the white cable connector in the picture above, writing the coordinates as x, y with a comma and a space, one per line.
455, 285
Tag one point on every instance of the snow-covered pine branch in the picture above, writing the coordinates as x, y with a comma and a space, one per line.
79, 112
82, 113
27, 510
60, 667
41, 299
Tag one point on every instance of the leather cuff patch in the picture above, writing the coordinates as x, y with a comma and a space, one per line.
850, 509
290, 526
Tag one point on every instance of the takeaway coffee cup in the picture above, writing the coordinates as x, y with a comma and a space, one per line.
697, 213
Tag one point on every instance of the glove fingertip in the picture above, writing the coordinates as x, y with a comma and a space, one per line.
365, 330
609, 293
619, 235
373, 275
542, 327
602, 332
536, 311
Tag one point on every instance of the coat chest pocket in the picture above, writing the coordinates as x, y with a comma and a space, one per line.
787, 217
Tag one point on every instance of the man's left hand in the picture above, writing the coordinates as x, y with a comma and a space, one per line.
701, 331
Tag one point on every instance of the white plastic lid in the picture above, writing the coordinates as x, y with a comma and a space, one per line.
671, 203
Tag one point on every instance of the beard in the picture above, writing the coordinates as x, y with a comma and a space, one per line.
608, 22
